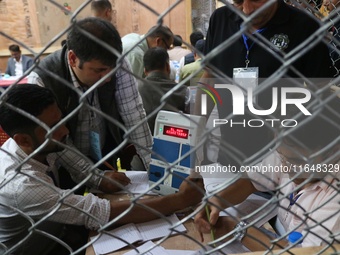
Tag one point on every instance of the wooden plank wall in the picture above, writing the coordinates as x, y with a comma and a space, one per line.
34, 23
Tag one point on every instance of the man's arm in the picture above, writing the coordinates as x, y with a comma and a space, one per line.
232, 195
79, 168
190, 194
198, 100
30, 62
130, 108
254, 239
8, 68
135, 59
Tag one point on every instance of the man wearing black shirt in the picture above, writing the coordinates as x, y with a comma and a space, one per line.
270, 41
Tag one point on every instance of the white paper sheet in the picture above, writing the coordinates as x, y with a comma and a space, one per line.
132, 233
139, 182
159, 228
249, 206
158, 250
107, 243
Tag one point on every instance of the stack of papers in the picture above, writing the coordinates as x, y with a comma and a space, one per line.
131, 233
154, 249
150, 248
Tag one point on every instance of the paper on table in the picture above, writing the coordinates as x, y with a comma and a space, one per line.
159, 228
107, 243
181, 252
214, 180
233, 248
157, 250
136, 232
250, 205
139, 182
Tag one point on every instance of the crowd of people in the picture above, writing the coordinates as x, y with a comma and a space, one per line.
85, 106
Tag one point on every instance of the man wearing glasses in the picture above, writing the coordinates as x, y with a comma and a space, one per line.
135, 46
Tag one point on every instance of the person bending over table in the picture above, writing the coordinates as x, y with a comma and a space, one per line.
32, 206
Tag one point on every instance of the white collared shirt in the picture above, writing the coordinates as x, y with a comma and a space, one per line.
26, 188
315, 212
18, 67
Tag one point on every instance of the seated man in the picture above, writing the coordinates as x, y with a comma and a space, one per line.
306, 186
157, 83
31, 203
18, 63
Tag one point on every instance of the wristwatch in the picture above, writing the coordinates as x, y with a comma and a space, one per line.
240, 230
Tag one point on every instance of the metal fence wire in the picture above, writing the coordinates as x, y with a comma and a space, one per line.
293, 164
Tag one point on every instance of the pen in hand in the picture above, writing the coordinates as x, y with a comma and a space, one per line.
211, 231
109, 166
124, 180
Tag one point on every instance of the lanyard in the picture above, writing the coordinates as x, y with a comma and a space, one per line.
292, 201
248, 48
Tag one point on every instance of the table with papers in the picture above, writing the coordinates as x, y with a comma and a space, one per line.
139, 184
178, 242
187, 242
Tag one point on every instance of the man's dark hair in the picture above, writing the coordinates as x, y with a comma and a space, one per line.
160, 31
63, 42
195, 36
155, 59
100, 5
199, 46
32, 99
177, 40
14, 48
87, 49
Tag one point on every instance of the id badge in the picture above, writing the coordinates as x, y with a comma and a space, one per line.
246, 78
95, 148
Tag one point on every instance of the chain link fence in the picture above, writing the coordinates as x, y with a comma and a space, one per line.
294, 172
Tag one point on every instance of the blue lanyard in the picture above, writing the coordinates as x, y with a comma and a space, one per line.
292, 199
248, 48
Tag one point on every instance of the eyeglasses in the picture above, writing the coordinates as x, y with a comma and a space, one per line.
297, 164
301, 163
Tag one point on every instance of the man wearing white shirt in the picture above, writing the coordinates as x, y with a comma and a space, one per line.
34, 210
303, 174
17, 64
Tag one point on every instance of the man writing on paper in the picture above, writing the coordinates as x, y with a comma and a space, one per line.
29, 189
102, 105
305, 181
